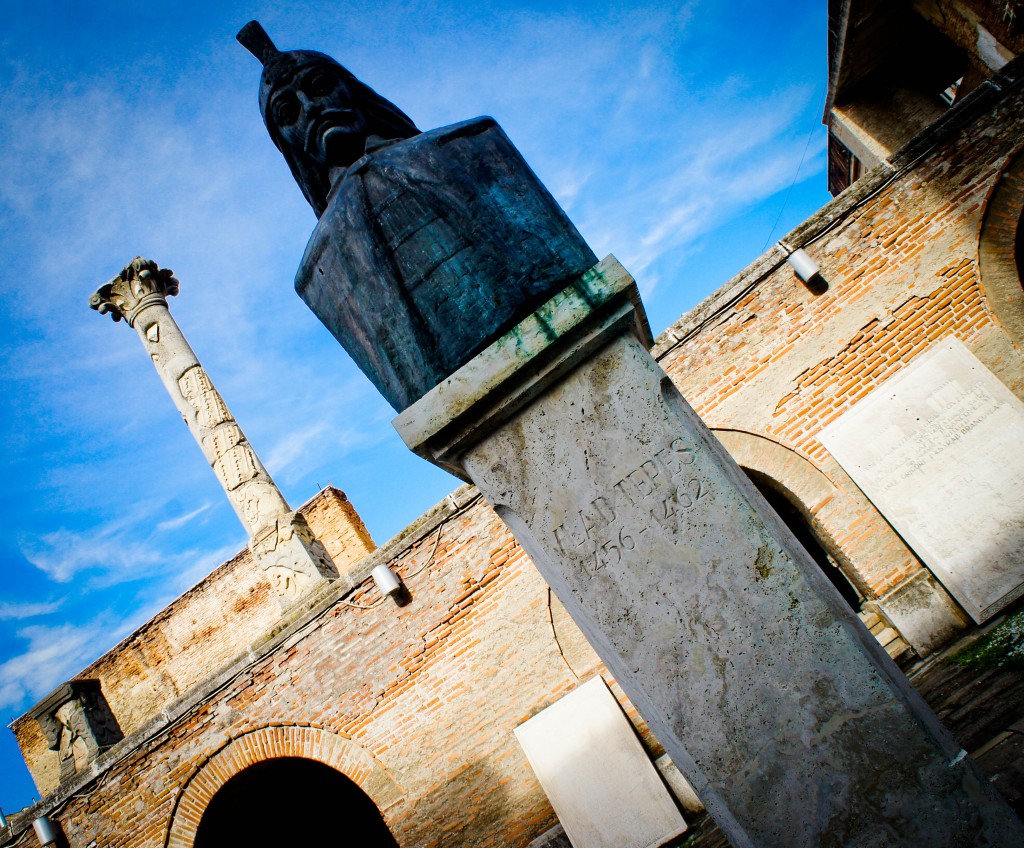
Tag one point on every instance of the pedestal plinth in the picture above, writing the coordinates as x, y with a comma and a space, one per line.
786, 716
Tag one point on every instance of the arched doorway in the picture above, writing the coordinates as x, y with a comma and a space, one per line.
1001, 249
291, 801
805, 534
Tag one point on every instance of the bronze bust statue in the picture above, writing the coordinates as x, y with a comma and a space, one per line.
429, 246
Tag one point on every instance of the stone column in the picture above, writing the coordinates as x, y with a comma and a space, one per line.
786, 716
279, 537
78, 724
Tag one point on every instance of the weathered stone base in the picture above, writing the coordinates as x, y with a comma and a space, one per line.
293, 558
924, 613
786, 716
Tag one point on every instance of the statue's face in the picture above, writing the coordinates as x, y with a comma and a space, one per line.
314, 112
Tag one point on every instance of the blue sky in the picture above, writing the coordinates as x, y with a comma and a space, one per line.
682, 137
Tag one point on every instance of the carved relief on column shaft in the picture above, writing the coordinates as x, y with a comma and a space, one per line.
280, 540
258, 502
78, 724
197, 389
294, 559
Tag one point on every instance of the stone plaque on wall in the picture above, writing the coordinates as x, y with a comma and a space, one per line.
939, 449
604, 789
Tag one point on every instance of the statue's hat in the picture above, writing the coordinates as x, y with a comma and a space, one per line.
278, 65
383, 118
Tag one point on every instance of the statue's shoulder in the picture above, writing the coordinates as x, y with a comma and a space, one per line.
478, 129
464, 129
467, 149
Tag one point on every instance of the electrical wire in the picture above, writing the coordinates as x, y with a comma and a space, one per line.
789, 191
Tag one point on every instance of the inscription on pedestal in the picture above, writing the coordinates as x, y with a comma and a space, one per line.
767, 692
659, 489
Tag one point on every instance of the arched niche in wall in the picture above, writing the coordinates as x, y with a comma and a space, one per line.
1001, 250
802, 527
265, 745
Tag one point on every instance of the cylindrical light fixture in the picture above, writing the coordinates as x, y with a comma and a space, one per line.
385, 579
806, 268
46, 831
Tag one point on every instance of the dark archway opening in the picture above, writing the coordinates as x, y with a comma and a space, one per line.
800, 527
1018, 249
1001, 250
292, 801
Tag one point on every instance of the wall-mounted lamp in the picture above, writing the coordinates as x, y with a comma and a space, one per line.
386, 580
805, 267
46, 831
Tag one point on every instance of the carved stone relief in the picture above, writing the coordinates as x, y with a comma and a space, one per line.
261, 504
233, 459
78, 724
73, 749
198, 391
291, 555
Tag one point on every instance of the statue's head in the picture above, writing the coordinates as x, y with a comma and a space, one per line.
318, 114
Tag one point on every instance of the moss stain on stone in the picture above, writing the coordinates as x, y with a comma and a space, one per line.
763, 563
1001, 648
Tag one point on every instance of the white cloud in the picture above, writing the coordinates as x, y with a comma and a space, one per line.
124, 551
292, 446
63, 554
18, 611
720, 166
54, 654
57, 653
182, 520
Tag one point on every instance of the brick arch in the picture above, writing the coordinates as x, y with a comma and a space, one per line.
834, 511
269, 743
794, 472
1000, 275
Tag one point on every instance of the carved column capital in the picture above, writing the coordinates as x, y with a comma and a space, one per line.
78, 724
141, 283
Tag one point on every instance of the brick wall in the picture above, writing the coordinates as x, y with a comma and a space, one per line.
415, 703
900, 254
197, 634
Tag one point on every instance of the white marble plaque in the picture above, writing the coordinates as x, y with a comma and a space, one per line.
605, 790
939, 449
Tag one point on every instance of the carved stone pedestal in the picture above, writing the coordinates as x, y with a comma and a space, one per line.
782, 711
